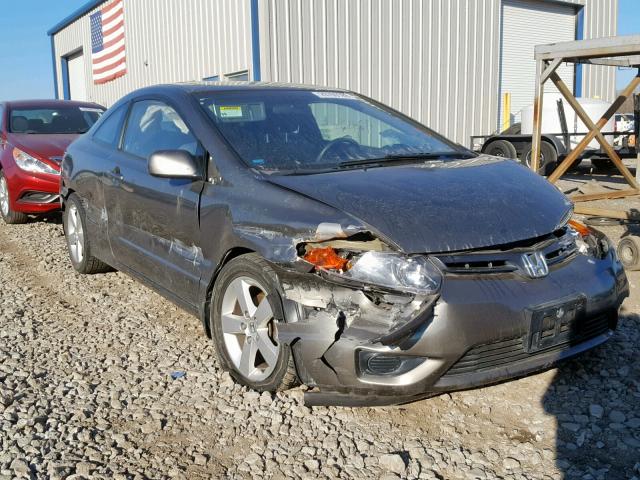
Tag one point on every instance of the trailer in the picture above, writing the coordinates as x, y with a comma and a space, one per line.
554, 147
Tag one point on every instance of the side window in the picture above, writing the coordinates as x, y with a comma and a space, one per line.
154, 126
1, 119
336, 121
109, 131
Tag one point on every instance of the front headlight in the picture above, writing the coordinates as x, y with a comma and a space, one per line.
30, 164
588, 241
415, 274
392, 270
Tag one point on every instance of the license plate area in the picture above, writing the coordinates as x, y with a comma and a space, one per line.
555, 324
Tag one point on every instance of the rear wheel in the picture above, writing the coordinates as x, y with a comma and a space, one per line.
8, 215
548, 157
501, 148
245, 313
78, 242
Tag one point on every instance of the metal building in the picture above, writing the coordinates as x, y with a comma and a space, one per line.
446, 63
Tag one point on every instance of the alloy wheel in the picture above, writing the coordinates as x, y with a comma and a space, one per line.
4, 197
75, 234
249, 329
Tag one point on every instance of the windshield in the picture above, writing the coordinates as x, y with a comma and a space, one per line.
67, 119
300, 130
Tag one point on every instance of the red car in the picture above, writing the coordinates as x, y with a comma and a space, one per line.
34, 135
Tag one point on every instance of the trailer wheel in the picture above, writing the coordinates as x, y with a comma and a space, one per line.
501, 148
602, 163
629, 252
548, 157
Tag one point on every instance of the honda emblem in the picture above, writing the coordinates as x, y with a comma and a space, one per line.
535, 264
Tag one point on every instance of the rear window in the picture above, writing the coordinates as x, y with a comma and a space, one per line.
67, 119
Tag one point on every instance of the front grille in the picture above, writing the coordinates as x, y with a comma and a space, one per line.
501, 353
556, 248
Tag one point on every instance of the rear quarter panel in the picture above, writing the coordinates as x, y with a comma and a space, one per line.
83, 173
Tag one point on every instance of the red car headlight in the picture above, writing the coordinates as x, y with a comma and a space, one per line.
29, 163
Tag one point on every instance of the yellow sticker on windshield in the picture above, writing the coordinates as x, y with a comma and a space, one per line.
231, 111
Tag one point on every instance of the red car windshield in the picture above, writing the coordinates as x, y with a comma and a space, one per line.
67, 119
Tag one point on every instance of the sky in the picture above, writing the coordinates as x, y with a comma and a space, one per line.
628, 23
25, 48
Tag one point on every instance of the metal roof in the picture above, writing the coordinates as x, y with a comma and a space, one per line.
83, 10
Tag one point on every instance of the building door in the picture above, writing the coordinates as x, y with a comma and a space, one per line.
76, 72
525, 24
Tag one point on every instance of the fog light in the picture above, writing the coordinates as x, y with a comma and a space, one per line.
383, 364
373, 363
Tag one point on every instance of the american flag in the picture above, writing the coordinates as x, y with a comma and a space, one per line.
107, 43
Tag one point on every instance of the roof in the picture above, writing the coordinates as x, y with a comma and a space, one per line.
48, 103
83, 10
221, 86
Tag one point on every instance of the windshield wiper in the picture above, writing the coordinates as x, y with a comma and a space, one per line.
404, 158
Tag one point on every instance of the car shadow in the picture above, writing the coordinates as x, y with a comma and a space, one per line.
595, 399
54, 218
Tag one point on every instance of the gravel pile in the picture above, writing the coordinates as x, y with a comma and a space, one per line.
102, 378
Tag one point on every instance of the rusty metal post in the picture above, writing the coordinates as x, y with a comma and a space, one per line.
536, 140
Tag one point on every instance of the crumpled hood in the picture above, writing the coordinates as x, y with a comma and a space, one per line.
42, 145
442, 207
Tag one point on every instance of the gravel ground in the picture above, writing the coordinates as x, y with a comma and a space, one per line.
86, 391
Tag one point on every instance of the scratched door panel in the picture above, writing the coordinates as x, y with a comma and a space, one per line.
160, 229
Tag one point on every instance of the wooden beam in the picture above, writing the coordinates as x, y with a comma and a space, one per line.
536, 139
595, 130
550, 68
605, 212
620, 46
633, 61
607, 195
606, 146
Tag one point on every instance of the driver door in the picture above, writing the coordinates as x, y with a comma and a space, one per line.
156, 219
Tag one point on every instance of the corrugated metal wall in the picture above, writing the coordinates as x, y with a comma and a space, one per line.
600, 20
167, 41
435, 60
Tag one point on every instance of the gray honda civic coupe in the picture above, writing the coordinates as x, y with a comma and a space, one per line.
328, 240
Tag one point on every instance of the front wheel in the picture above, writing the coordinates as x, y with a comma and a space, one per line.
245, 313
78, 244
9, 216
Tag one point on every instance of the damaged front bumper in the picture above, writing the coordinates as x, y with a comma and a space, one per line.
354, 346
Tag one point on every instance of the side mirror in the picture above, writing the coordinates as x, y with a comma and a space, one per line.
178, 164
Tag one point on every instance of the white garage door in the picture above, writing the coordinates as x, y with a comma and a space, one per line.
525, 24
77, 85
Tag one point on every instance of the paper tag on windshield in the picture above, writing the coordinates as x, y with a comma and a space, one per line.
228, 111
345, 95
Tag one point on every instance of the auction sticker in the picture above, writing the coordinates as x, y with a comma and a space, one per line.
231, 111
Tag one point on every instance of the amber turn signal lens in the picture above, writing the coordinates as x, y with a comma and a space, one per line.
326, 258
579, 227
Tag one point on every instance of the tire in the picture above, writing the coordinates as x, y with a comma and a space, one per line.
78, 242
629, 253
548, 157
501, 148
247, 346
9, 216
602, 163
